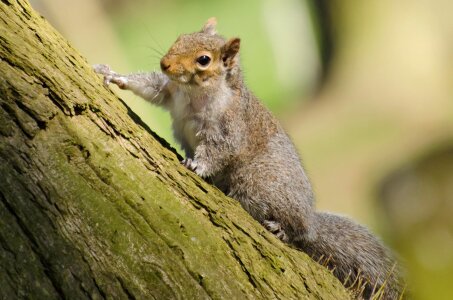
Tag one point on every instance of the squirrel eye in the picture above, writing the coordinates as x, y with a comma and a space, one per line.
203, 60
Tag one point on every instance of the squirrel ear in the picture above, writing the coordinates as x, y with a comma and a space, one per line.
230, 51
209, 26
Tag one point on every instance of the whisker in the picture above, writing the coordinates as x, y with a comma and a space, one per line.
154, 50
162, 50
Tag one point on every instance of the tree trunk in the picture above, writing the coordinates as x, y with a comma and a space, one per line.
93, 204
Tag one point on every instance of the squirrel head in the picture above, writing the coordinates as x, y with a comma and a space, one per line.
201, 58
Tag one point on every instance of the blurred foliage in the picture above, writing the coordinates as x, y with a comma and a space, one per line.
388, 105
370, 135
417, 204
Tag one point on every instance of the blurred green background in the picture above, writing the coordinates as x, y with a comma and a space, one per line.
364, 88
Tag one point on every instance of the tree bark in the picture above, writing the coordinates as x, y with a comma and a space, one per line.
93, 204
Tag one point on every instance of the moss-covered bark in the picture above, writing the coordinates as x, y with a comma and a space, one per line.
94, 205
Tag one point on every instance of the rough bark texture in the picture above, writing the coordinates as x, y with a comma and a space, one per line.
94, 205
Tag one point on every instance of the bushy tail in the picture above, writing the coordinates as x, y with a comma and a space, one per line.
355, 256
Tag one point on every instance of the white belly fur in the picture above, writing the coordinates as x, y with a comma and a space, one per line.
191, 110
185, 127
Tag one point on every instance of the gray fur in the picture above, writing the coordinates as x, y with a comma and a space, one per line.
229, 136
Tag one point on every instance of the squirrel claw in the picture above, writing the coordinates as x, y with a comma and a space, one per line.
107, 80
110, 76
105, 71
195, 166
189, 164
276, 229
102, 69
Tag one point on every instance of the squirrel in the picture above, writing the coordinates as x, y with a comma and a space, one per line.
230, 137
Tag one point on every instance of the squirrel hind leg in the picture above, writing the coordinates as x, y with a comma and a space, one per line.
276, 228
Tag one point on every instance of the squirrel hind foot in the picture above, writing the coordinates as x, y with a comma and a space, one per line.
276, 228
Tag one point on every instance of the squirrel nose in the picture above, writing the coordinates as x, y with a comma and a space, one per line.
164, 65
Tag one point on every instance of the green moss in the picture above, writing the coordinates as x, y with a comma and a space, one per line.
108, 210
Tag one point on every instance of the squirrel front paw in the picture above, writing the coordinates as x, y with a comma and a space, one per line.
276, 229
195, 166
110, 76
102, 69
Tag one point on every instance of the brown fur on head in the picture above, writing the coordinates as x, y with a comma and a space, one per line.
201, 58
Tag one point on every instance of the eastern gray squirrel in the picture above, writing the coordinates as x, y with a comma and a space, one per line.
229, 136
